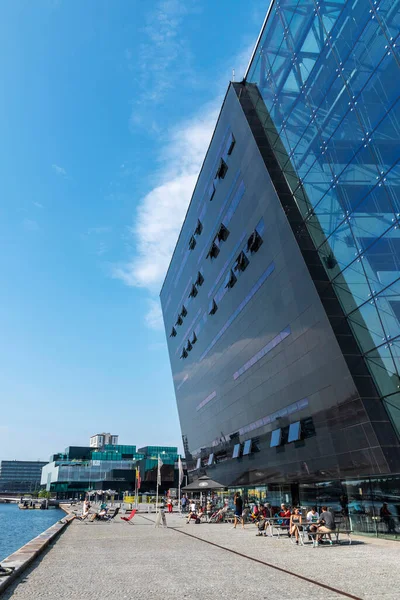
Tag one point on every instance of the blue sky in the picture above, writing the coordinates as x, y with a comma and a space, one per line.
106, 111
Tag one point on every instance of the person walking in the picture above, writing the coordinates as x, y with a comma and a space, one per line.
169, 504
386, 517
183, 503
238, 510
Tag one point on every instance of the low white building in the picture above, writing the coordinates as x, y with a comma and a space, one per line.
99, 440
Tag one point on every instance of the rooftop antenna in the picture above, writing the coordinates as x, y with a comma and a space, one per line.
233, 74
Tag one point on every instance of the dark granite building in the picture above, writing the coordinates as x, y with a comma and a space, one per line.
281, 302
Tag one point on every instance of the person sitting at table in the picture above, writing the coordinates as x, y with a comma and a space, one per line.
285, 514
312, 520
255, 515
265, 516
261, 520
295, 524
326, 524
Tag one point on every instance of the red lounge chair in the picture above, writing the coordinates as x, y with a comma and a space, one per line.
130, 517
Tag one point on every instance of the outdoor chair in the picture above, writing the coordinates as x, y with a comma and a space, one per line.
129, 518
110, 518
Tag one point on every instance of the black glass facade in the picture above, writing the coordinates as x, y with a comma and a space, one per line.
280, 303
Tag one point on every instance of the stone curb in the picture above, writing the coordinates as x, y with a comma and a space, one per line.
23, 557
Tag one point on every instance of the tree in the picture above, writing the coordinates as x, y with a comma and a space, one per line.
44, 494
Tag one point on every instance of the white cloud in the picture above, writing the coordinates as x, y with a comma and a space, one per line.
163, 59
154, 318
161, 212
59, 170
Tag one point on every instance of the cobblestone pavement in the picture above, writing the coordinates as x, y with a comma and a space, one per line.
118, 560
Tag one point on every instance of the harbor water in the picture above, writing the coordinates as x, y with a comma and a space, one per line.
17, 527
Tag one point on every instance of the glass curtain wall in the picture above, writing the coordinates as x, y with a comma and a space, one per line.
328, 74
370, 506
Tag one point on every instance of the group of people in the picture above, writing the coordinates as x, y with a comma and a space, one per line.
188, 505
317, 525
99, 515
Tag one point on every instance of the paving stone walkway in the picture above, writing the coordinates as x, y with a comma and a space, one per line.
118, 560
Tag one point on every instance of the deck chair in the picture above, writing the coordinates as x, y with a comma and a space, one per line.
112, 516
129, 518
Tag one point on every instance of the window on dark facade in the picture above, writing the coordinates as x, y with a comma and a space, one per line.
192, 243
211, 191
193, 292
173, 332
294, 432
213, 251
183, 311
199, 227
276, 438
223, 233
200, 279
222, 170
231, 280
241, 262
254, 242
213, 308
231, 144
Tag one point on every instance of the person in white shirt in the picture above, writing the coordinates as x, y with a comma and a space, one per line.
312, 515
192, 512
312, 522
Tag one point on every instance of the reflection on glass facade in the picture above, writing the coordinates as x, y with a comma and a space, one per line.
328, 76
286, 358
81, 469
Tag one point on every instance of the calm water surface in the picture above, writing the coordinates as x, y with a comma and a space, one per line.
17, 527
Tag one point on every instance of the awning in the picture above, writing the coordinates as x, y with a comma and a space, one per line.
202, 484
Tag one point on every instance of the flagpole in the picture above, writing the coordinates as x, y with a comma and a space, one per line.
158, 467
138, 484
179, 486
136, 487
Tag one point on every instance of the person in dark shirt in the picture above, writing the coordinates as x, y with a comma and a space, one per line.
238, 510
386, 517
326, 524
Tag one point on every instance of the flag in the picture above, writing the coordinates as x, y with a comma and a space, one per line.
180, 467
160, 464
138, 480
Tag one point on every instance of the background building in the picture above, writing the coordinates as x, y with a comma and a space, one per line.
281, 299
20, 476
109, 467
100, 440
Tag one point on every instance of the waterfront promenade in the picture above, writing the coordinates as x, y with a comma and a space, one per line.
118, 560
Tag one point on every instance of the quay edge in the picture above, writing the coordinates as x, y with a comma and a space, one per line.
23, 557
